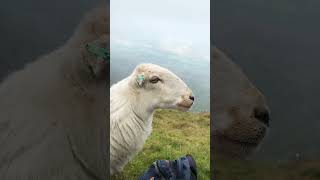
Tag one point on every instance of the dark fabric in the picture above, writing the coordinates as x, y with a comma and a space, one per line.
183, 168
151, 172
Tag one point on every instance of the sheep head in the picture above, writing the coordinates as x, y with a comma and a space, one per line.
240, 112
160, 88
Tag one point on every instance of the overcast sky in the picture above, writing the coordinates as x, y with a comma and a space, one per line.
177, 26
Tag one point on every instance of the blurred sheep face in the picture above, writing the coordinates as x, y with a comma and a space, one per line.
162, 88
240, 112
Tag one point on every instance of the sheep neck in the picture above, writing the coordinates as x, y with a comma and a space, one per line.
131, 101
131, 123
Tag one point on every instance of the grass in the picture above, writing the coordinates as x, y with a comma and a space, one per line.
174, 134
226, 169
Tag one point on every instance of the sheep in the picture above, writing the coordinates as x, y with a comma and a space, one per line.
240, 111
132, 103
53, 110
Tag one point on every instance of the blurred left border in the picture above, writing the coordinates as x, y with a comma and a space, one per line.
53, 90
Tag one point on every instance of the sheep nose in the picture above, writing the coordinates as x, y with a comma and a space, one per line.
191, 97
262, 114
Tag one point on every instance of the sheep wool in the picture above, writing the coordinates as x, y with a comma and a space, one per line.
132, 103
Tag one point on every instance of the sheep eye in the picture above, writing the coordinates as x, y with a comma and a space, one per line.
154, 79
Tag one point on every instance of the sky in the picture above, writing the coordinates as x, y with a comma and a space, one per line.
181, 27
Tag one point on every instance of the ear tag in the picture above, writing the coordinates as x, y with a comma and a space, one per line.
140, 79
100, 53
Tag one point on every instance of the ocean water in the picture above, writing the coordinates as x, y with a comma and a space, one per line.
195, 72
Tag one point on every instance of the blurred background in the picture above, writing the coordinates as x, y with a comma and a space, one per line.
276, 43
33, 28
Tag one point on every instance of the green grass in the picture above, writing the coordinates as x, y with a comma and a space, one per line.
174, 134
226, 169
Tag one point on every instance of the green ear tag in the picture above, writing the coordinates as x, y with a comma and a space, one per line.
140, 79
97, 51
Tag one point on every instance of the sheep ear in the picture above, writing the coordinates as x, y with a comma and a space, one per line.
97, 57
140, 80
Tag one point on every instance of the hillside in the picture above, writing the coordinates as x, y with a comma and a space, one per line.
174, 134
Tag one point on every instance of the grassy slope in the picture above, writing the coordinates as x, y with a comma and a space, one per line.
253, 170
174, 134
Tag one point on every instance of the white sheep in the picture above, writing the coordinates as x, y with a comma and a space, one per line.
53, 111
132, 103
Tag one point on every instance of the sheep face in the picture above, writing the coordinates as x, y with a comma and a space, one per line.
240, 112
161, 88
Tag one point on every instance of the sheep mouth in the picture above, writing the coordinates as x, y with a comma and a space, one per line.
250, 142
233, 148
183, 106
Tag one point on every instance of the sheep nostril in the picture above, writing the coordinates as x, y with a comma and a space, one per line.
262, 114
191, 97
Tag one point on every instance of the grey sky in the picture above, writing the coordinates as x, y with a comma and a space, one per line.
178, 26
